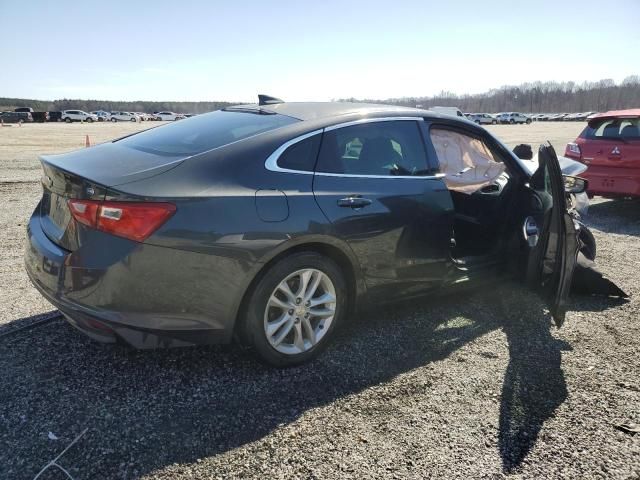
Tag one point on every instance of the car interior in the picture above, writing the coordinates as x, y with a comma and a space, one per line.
480, 187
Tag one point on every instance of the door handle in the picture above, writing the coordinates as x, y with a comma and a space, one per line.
354, 201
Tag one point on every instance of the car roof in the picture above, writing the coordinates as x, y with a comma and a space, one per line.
325, 110
629, 113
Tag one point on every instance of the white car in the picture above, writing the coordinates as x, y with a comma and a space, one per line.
513, 117
78, 116
170, 116
482, 118
102, 115
453, 111
124, 117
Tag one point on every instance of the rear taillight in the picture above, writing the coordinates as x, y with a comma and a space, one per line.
132, 220
573, 151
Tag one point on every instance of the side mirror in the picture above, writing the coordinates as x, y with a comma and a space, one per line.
523, 151
575, 184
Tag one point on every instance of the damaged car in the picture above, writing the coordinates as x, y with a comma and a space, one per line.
270, 223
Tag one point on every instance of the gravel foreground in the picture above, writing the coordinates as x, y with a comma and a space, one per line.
469, 386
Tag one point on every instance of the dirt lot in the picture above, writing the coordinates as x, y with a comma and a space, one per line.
474, 387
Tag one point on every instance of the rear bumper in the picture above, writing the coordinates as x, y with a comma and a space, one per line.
143, 295
613, 183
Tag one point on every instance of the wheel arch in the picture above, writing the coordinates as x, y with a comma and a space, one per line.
328, 247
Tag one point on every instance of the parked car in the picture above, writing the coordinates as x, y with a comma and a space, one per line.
482, 119
16, 117
142, 116
270, 223
24, 109
55, 117
102, 115
513, 117
78, 116
453, 111
557, 117
40, 117
610, 146
170, 116
124, 117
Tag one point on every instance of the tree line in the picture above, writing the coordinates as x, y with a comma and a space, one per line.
534, 97
7, 104
537, 97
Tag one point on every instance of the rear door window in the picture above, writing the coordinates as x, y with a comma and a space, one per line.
204, 132
378, 149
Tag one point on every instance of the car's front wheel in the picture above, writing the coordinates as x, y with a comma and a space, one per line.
293, 311
89, 119
133, 119
494, 122
528, 121
114, 119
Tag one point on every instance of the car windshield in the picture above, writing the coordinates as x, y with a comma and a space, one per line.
204, 132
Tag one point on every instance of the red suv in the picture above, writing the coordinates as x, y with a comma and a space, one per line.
610, 147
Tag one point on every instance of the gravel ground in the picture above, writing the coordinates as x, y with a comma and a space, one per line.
467, 386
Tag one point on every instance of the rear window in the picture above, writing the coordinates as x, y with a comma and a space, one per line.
204, 132
625, 128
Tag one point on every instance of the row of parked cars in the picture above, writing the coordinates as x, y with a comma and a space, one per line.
27, 115
516, 117
494, 119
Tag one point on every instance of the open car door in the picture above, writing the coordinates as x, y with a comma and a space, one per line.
551, 235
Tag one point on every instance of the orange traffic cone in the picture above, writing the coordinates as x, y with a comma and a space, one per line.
87, 143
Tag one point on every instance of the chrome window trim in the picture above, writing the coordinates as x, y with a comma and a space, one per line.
406, 177
272, 160
271, 163
371, 120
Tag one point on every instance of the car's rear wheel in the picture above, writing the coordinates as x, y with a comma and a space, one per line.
133, 119
68, 120
90, 120
114, 119
512, 121
293, 311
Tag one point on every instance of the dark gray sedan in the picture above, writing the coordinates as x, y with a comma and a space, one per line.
271, 222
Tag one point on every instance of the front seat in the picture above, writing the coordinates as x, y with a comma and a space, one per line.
377, 156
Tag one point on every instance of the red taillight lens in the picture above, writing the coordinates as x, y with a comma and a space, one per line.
573, 150
132, 220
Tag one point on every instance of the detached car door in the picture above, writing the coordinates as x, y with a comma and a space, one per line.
551, 235
374, 183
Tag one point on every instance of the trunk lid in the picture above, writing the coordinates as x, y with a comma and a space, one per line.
86, 174
611, 142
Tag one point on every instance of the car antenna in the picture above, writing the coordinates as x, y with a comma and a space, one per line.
268, 100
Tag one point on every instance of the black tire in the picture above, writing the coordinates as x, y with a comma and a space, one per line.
251, 327
588, 241
494, 122
478, 122
114, 119
133, 119
528, 121
67, 119
512, 121
89, 120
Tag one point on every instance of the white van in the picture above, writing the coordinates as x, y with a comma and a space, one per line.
453, 111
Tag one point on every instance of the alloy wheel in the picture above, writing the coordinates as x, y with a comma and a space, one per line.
300, 311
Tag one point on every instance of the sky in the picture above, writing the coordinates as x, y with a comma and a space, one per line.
300, 50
